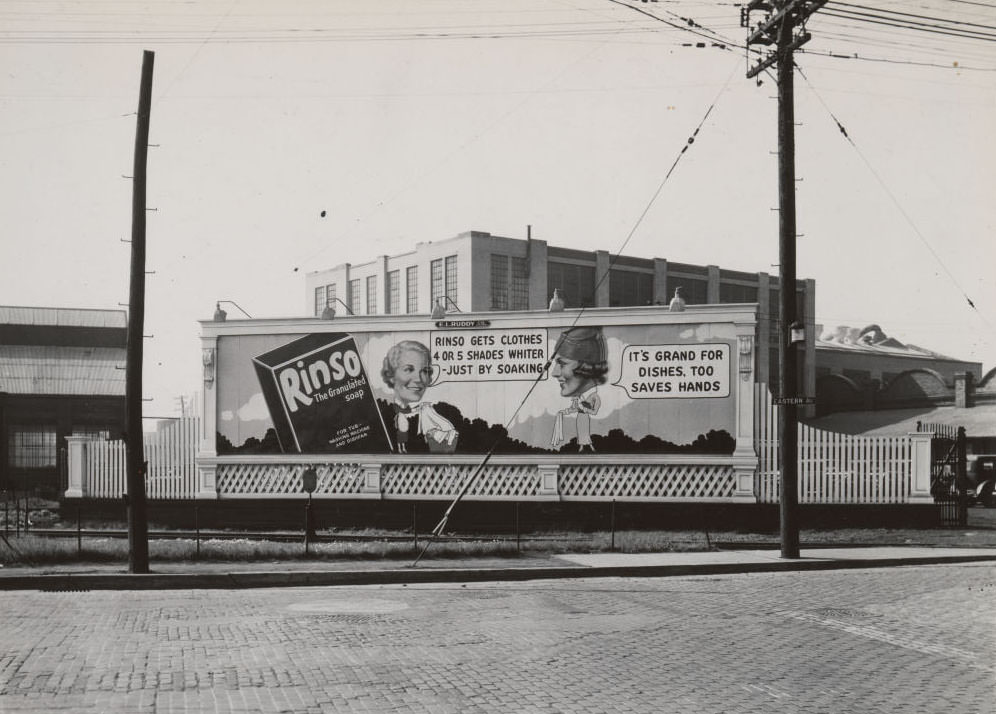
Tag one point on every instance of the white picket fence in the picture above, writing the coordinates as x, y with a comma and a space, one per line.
833, 467
170, 453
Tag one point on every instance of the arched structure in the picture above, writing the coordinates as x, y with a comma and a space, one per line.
915, 387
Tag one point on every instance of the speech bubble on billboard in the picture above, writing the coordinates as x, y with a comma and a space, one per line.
488, 355
675, 371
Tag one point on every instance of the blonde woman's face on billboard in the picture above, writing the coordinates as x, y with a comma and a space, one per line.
412, 376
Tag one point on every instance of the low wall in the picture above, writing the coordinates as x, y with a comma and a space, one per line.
500, 518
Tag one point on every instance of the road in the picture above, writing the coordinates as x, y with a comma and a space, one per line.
907, 639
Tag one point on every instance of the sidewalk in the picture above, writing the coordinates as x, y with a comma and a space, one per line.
383, 572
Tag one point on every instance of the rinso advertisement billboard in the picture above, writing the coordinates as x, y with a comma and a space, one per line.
593, 389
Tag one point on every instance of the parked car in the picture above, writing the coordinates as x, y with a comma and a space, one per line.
981, 473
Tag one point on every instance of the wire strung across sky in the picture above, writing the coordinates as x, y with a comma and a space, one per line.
895, 201
438, 530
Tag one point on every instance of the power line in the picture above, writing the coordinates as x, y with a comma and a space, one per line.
438, 530
919, 27
895, 201
910, 14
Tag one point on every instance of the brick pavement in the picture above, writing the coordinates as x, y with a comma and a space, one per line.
913, 640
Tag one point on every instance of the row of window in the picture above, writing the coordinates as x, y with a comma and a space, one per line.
35, 447
509, 283
443, 273
510, 287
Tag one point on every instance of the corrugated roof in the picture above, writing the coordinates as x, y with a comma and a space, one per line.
80, 371
62, 316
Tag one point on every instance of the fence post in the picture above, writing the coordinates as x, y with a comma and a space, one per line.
920, 468
612, 526
962, 477
76, 464
518, 532
415, 525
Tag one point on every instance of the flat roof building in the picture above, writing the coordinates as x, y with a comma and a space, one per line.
61, 373
479, 272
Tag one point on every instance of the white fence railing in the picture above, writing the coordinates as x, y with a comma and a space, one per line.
840, 468
833, 469
561, 478
97, 467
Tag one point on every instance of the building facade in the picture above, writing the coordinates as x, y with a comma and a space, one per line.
61, 373
479, 272
863, 368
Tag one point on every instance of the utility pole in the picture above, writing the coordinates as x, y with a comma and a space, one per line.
138, 526
779, 28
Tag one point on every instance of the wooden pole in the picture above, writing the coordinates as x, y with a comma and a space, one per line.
138, 527
788, 417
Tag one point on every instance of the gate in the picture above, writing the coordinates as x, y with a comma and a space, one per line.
948, 479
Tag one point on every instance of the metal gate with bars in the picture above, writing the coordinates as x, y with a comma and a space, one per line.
948, 477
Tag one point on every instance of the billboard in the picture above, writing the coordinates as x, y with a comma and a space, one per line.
467, 387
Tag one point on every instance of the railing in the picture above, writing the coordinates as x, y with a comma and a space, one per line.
840, 468
833, 468
97, 467
571, 478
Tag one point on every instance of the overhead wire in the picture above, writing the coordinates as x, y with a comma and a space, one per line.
440, 527
895, 201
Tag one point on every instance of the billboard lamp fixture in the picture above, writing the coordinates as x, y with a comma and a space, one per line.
220, 315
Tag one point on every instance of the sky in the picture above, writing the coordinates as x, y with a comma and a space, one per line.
288, 137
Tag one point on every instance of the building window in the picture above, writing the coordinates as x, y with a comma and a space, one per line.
499, 282
411, 278
393, 292
628, 287
435, 282
695, 292
372, 295
576, 283
330, 296
520, 284
31, 447
353, 296
320, 301
735, 293
451, 281
443, 281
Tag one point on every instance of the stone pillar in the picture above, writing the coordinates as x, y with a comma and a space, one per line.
602, 278
661, 295
382, 288
763, 328
76, 460
539, 291
744, 455
963, 387
207, 446
920, 468
808, 365
207, 483
549, 475
371, 479
712, 287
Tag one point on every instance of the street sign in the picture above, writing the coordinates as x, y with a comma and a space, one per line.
798, 401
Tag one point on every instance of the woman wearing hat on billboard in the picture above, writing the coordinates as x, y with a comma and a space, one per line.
580, 364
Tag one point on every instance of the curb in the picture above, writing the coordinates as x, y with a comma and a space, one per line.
270, 579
